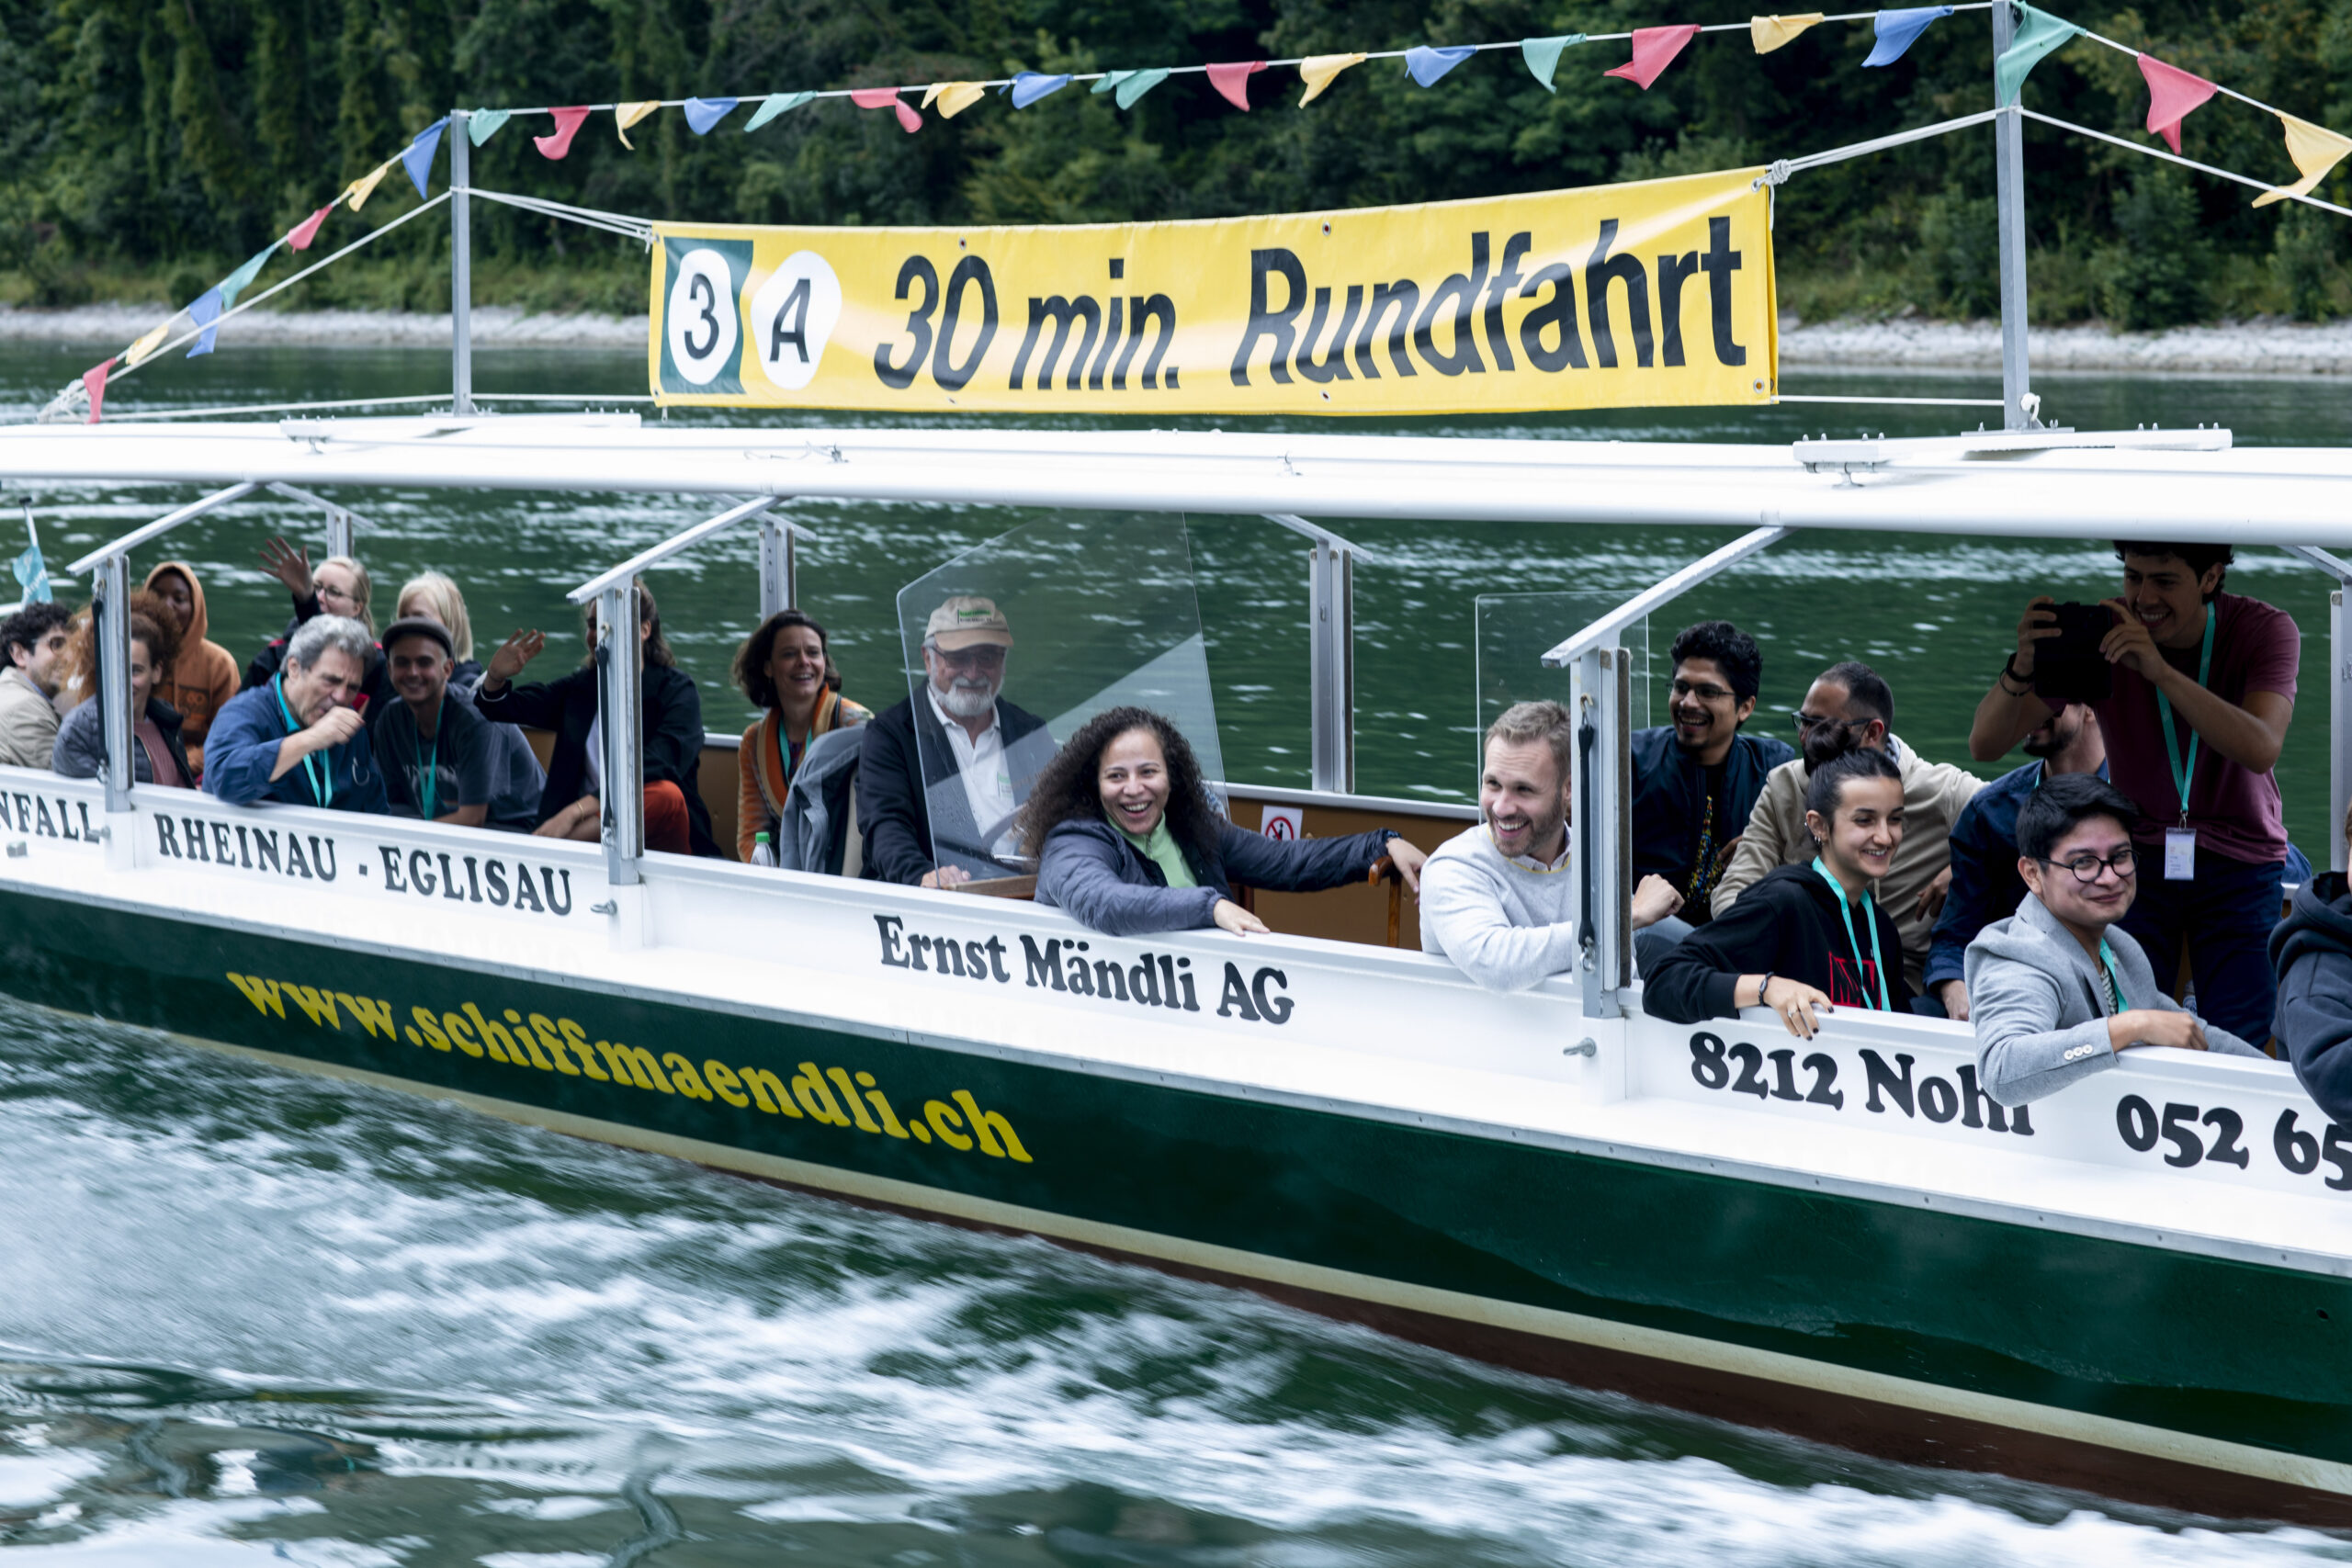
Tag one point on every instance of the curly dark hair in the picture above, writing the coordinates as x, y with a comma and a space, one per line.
751, 658
1066, 791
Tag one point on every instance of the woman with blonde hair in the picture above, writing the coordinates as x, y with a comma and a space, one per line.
433, 595
339, 586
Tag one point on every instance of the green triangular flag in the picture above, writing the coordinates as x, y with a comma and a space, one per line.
234, 284
483, 124
1543, 55
2041, 33
1127, 87
778, 103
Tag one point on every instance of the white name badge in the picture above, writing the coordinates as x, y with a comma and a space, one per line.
2180, 854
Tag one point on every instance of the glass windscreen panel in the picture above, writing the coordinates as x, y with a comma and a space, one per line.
1514, 631
1013, 645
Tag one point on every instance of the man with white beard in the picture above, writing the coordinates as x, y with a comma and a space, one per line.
941, 775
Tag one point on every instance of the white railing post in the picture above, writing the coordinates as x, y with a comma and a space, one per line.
461, 266
623, 711
2009, 195
111, 591
2339, 696
1603, 693
1331, 667
779, 587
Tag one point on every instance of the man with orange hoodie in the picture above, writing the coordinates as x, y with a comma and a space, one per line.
204, 676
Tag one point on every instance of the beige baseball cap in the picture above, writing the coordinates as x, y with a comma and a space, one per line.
967, 621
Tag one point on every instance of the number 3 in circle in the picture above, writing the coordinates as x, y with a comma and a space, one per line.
701, 317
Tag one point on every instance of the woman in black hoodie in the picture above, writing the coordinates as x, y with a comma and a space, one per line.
1809, 937
2311, 953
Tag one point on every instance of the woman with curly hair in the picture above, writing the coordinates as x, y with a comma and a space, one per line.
157, 754
1126, 840
785, 669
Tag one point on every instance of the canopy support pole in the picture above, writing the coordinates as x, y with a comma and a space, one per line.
779, 572
111, 591
461, 268
1330, 654
622, 708
2339, 697
2018, 404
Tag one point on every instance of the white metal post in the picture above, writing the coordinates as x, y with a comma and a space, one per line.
2339, 731
1331, 675
778, 587
461, 266
1602, 691
623, 712
111, 589
341, 533
2008, 191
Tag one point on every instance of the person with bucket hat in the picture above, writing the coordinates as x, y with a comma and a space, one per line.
942, 774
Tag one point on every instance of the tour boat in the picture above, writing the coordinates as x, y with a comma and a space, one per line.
2132, 1287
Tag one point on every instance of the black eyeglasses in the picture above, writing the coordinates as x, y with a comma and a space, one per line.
1705, 694
2087, 867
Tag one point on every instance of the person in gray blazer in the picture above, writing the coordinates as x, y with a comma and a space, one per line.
2057, 989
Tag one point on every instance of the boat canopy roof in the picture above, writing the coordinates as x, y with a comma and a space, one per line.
2187, 485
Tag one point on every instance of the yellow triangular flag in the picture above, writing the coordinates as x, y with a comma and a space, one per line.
626, 115
365, 185
1770, 32
2314, 150
1316, 72
146, 345
953, 97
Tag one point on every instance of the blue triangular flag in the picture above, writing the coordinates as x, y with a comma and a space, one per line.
704, 113
1427, 65
1897, 29
1028, 86
32, 575
203, 313
418, 159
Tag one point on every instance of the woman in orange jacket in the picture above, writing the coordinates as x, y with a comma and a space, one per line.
784, 668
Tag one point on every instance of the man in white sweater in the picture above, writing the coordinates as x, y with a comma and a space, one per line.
1498, 898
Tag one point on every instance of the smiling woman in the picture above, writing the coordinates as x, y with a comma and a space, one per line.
1128, 840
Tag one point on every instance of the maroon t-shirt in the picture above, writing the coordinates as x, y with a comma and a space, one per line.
2235, 811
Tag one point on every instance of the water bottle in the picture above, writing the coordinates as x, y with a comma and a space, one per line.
763, 849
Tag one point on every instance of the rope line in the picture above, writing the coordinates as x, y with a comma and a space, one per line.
2184, 162
627, 227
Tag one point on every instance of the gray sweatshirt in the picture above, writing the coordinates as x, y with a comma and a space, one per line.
2038, 1003
1503, 925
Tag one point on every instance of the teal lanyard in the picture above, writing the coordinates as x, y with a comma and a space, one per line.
2114, 976
2182, 773
319, 771
1885, 1003
430, 787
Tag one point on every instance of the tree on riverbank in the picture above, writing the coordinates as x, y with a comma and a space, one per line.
145, 148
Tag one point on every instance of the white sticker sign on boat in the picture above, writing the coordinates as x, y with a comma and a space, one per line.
1283, 823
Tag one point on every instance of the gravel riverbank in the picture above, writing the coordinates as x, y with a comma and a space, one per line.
2242, 348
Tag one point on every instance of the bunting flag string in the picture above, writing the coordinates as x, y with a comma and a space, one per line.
780, 103
2173, 96
1320, 72
626, 115
1425, 65
704, 113
1543, 56
484, 124
302, 233
910, 119
1897, 30
558, 142
2037, 36
1654, 50
418, 159
1769, 33
360, 189
953, 97
94, 383
2314, 150
1231, 80
1028, 86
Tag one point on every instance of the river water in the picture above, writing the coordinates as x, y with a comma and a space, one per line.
251, 1318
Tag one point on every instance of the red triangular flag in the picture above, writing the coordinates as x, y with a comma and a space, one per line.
909, 117
300, 236
2172, 93
94, 382
1654, 50
1232, 81
558, 142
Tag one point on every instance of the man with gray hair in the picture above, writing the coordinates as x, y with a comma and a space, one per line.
1498, 898
297, 738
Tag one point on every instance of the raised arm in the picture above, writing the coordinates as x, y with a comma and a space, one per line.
2252, 736
2011, 711
1080, 873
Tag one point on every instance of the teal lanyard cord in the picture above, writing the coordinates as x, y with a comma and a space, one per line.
430, 788
2182, 775
2114, 976
320, 772
1885, 1003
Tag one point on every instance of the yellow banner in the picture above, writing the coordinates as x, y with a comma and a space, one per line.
1625, 296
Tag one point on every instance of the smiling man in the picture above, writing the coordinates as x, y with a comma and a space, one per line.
299, 739
2060, 990
436, 752
34, 638
2203, 690
1697, 778
1498, 898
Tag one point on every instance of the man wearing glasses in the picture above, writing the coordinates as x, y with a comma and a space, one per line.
1697, 779
1851, 709
941, 775
2060, 988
